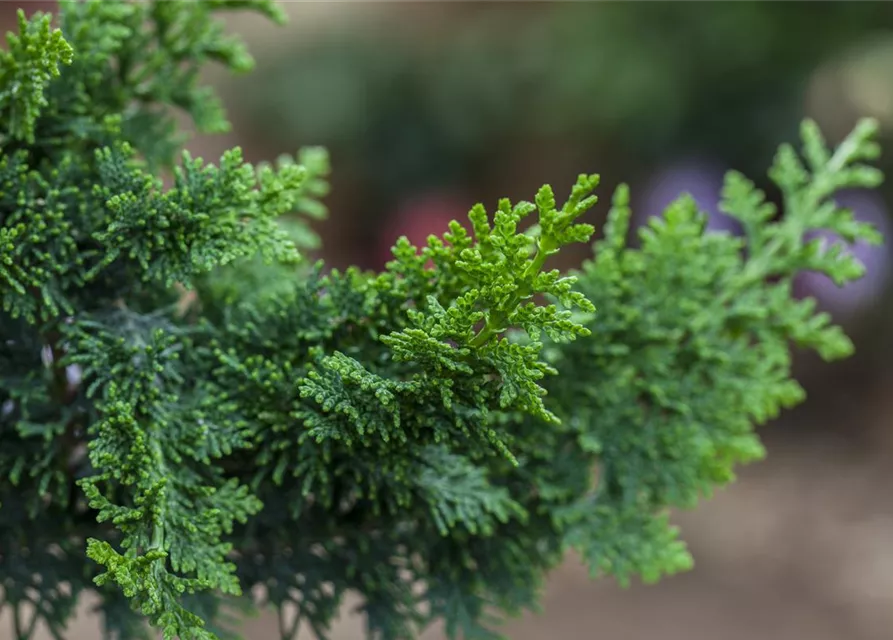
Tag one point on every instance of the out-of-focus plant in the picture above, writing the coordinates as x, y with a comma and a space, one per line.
726, 78
444, 107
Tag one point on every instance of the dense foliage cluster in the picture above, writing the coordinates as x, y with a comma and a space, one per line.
191, 409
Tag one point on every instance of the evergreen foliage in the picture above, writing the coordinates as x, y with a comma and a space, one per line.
433, 437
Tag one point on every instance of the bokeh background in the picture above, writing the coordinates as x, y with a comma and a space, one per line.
430, 107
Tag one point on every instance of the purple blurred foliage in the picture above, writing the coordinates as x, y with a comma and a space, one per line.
860, 295
700, 178
703, 179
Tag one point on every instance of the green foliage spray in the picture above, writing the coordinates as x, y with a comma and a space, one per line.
433, 437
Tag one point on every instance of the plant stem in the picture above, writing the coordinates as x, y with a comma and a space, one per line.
22, 631
289, 632
17, 623
497, 318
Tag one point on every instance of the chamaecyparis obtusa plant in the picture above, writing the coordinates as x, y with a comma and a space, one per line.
433, 437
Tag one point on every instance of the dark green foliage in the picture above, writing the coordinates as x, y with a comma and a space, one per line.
190, 410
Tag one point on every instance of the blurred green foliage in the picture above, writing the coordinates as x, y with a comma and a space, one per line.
424, 108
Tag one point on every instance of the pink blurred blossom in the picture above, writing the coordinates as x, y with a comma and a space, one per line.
418, 218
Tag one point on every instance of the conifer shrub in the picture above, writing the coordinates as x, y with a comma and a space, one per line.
191, 409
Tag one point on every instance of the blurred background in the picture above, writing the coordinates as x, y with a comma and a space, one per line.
430, 107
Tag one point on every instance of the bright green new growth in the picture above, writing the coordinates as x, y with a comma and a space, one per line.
432, 437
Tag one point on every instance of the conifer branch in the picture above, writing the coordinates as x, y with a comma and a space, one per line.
432, 437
